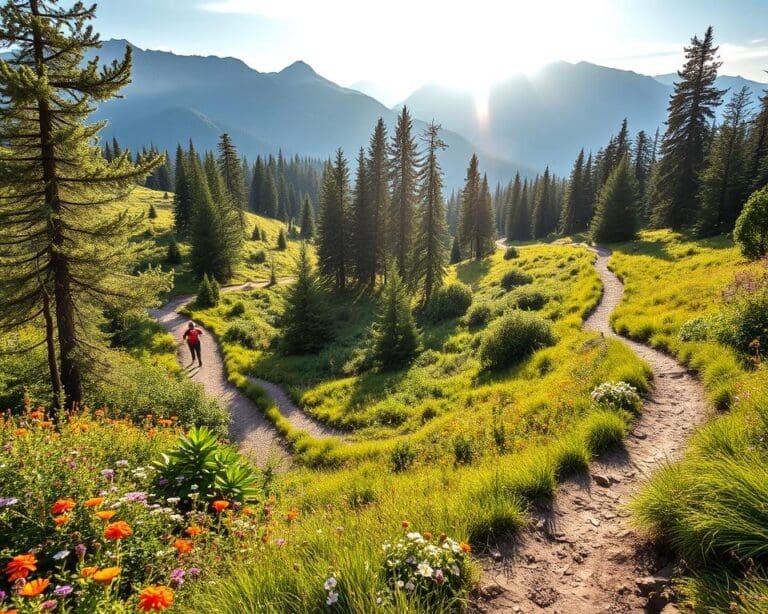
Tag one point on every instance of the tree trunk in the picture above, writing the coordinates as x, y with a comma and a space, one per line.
50, 343
71, 378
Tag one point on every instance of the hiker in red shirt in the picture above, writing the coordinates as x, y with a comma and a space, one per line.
192, 335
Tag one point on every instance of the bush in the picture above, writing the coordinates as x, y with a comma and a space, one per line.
514, 278
246, 333
529, 300
450, 301
617, 396
259, 257
237, 309
751, 231
603, 430
744, 322
463, 450
512, 337
173, 256
207, 296
511, 253
402, 457
479, 314
696, 329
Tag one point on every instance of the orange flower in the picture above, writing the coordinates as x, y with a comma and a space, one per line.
21, 432
193, 531
155, 598
94, 502
99, 412
61, 519
406, 524
62, 505
183, 545
427, 535
20, 566
292, 515
88, 571
106, 575
118, 530
165, 422
465, 547
247, 511
37, 414
105, 514
220, 505
10, 611
46, 424
34, 587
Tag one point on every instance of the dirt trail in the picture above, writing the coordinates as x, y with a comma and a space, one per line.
256, 436
580, 554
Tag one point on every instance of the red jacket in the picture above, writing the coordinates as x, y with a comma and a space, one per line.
192, 335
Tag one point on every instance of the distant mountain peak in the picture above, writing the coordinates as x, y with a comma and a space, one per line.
299, 70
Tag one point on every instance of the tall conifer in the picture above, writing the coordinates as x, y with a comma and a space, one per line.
333, 249
403, 171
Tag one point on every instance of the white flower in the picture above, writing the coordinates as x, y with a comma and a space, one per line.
332, 598
413, 536
409, 586
61, 554
330, 584
455, 570
173, 500
411, 560
400, 584
425, 569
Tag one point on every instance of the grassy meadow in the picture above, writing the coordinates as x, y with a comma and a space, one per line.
710, 506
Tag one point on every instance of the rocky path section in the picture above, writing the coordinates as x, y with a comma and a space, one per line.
581, 554
256, 436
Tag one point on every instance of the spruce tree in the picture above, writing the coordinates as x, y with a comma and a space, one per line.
642, 162
182, 201
430, 250
333, 232
231, 170
255, 202
476, 218
307, 220
544, 214
283, 204
269, 198
403, 160
362, 232
513, 203
206, 295
152, 213
575, 215
173, 255
616, 213
394, 334
256, 234
455, 250
65, 257
757, 165
691, 108
306, 324
378, 193
282, 243
724, 181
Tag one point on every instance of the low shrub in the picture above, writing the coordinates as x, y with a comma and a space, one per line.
751, 231
743, 323
237, 309
479, 314
463, 450
450, 301
515, 277
528, 299
511, 253
245, 332
696, 329
402, 456
259, 257
617, 396
512, 337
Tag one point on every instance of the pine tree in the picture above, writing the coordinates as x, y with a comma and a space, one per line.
174, 253
362, 231
575, 215
282, 243
269, 198
513, 203
691, 107
231, 171
272, 273
333, 232
282, 199
724, 181
255, 202
757, 166
544, 215
455, 251
476, 218
642, 160
394, 335
182, 201
65, 257
206, 295
165, 175
256, 234
306, 325
307, 220
430, 250
378, 193
615, 216
403, 159
152, 213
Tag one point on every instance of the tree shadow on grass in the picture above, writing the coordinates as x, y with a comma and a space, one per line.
470, 272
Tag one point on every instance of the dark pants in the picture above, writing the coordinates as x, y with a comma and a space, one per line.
194, 348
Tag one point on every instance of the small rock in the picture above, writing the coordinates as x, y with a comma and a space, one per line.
489, 591
601, 480
670, 608
609, 515
496, 555
640, 435
665, 572
529, 558
623, 589
595, 522
650, 584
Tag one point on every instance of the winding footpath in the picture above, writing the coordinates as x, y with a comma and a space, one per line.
256, 436
580, 554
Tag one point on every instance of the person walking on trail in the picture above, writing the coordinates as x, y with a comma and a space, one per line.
192, 336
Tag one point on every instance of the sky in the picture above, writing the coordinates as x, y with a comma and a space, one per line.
390, 48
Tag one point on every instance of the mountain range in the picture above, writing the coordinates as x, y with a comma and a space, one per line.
530, 121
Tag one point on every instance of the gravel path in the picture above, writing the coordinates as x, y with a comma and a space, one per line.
581, 554
256, 436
